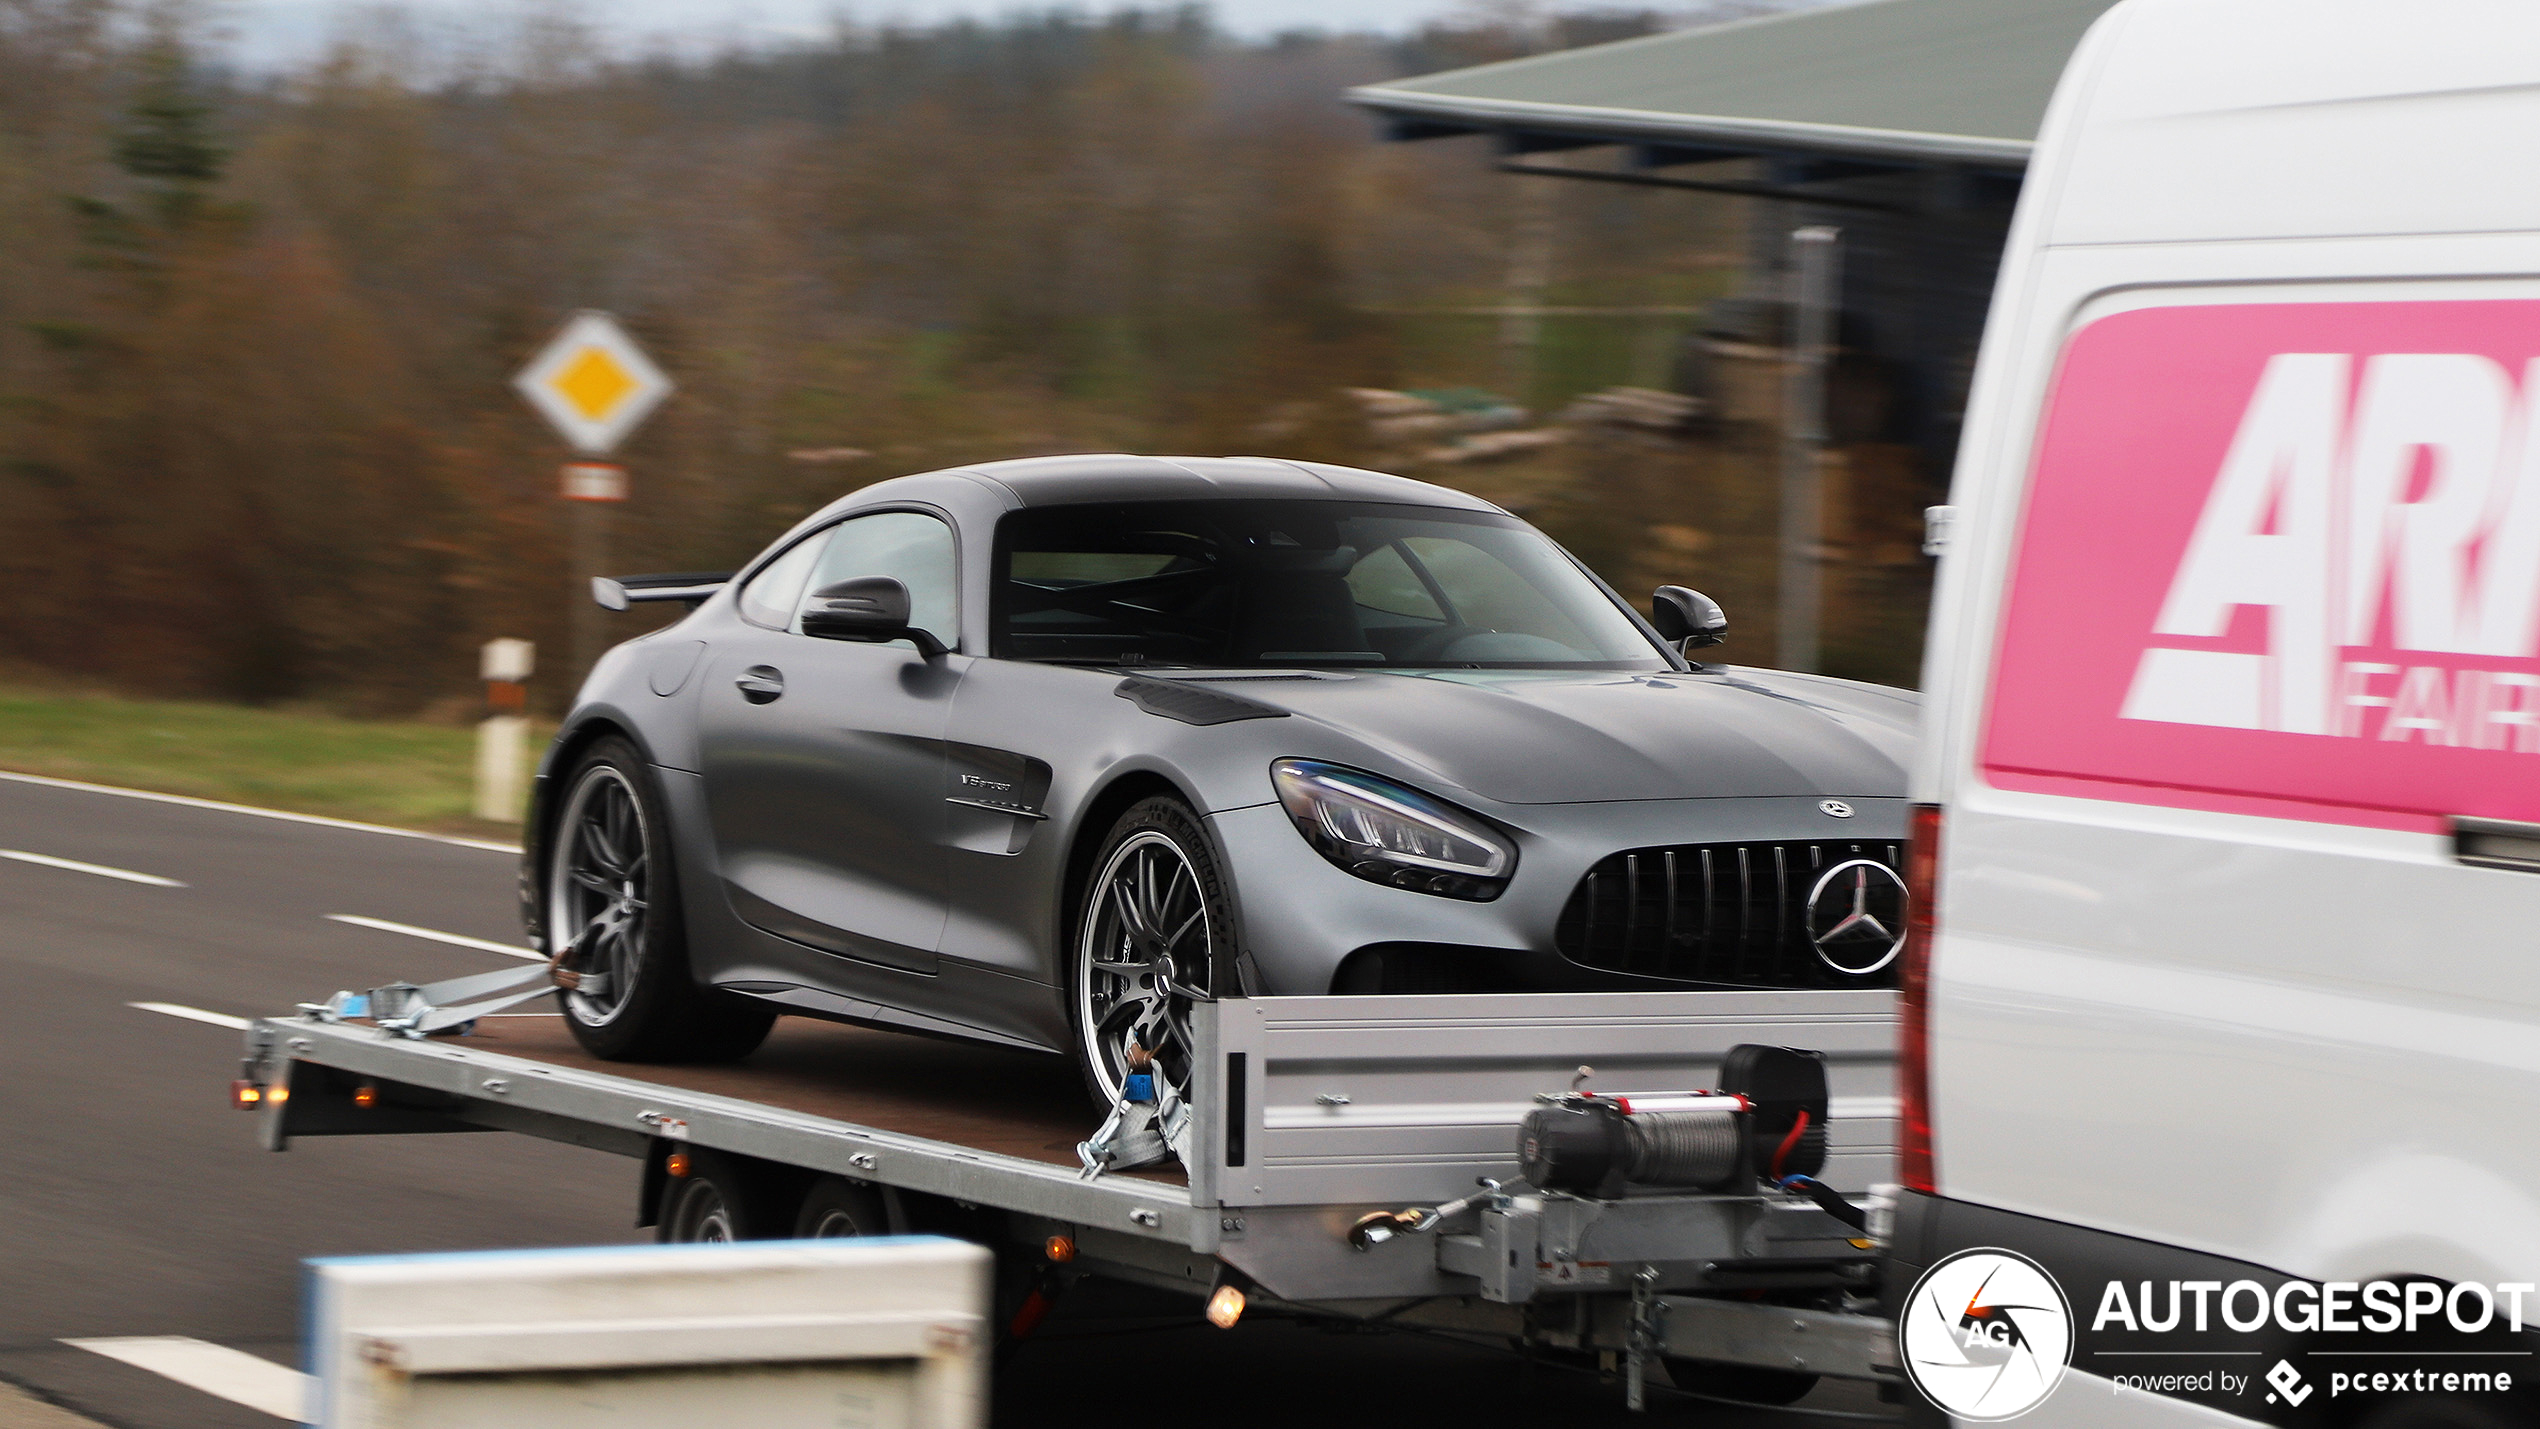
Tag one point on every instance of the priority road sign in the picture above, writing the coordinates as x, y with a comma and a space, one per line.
592, 382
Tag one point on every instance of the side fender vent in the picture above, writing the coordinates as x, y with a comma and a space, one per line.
1192, 704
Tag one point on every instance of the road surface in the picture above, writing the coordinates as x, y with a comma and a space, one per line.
137, 1215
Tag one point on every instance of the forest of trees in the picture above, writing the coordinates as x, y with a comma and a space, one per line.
255, 330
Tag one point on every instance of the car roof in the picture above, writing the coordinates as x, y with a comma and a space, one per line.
1078, 480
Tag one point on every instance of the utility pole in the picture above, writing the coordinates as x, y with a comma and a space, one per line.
1529, 274
1816, 288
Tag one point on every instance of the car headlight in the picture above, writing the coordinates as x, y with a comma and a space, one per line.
1387, 834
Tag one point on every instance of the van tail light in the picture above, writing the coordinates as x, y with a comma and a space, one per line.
1913, 1002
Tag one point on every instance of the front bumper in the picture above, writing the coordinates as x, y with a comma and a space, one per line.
1302, 917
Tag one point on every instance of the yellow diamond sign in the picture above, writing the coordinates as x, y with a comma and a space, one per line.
592, 382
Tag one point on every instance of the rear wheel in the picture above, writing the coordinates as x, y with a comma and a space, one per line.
836, 1208
716, 1202
1148, 930
612, 903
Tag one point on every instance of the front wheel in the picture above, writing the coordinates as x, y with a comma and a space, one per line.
612, 907
1148, 933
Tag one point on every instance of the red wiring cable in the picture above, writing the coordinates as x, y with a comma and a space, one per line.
1798, 1128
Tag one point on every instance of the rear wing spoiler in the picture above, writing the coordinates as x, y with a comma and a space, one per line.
619, 592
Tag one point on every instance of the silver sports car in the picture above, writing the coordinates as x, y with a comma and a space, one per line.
1041, 752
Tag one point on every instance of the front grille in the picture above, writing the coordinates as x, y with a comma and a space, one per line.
1716, 913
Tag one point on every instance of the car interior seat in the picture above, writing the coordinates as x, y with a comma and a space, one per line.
1302, 612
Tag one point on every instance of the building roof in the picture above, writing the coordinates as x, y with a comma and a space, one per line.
1954, 81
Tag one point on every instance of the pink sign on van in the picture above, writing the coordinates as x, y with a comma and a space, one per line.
2284, 559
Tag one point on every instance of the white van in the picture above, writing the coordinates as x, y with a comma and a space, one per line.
2222, 1043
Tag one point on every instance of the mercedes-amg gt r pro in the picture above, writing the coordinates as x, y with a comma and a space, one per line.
1042, 752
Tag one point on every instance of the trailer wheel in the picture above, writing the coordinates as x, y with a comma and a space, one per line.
1751, 1384
612, 894
715, 1203
835, 1208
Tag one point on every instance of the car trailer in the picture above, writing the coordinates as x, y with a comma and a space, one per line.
1634, 1176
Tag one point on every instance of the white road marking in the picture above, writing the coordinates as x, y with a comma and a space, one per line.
511, 950
193, 803
234, 1375
194, 1014
101, 870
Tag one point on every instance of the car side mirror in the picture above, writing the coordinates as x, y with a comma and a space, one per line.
1687, 617
872, 609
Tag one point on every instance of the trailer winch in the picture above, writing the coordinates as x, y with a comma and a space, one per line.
1766, 1120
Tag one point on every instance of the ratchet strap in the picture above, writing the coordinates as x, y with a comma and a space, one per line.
448, 1007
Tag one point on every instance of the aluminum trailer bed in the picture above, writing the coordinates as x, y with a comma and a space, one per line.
1315, 1113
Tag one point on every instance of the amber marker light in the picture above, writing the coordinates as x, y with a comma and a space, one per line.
365, 1097
246, 1095
1060, 1249
676, 1163
1225, 1307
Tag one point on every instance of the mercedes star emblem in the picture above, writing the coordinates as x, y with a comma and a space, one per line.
1835, 807
1856, 916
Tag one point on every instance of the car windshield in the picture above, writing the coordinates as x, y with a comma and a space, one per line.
1234, 584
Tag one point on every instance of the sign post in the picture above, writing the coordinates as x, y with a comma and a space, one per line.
593, 385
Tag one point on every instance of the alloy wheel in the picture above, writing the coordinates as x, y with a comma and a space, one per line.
597, 890
1142, 960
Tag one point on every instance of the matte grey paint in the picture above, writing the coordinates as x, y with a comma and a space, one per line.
888, 840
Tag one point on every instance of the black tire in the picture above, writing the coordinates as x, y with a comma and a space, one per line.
1157, 845
1748, 1384
611, 887
717, 1201
836, 1208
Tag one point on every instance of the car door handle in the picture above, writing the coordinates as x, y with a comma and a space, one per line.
760, 684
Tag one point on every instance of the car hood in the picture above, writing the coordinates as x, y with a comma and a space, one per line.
1537, 737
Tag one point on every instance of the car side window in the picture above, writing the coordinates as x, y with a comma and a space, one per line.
771, 596
909, 547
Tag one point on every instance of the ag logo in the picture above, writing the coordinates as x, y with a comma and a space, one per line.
1986, 1334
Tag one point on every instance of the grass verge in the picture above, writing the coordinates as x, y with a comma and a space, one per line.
418, 776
